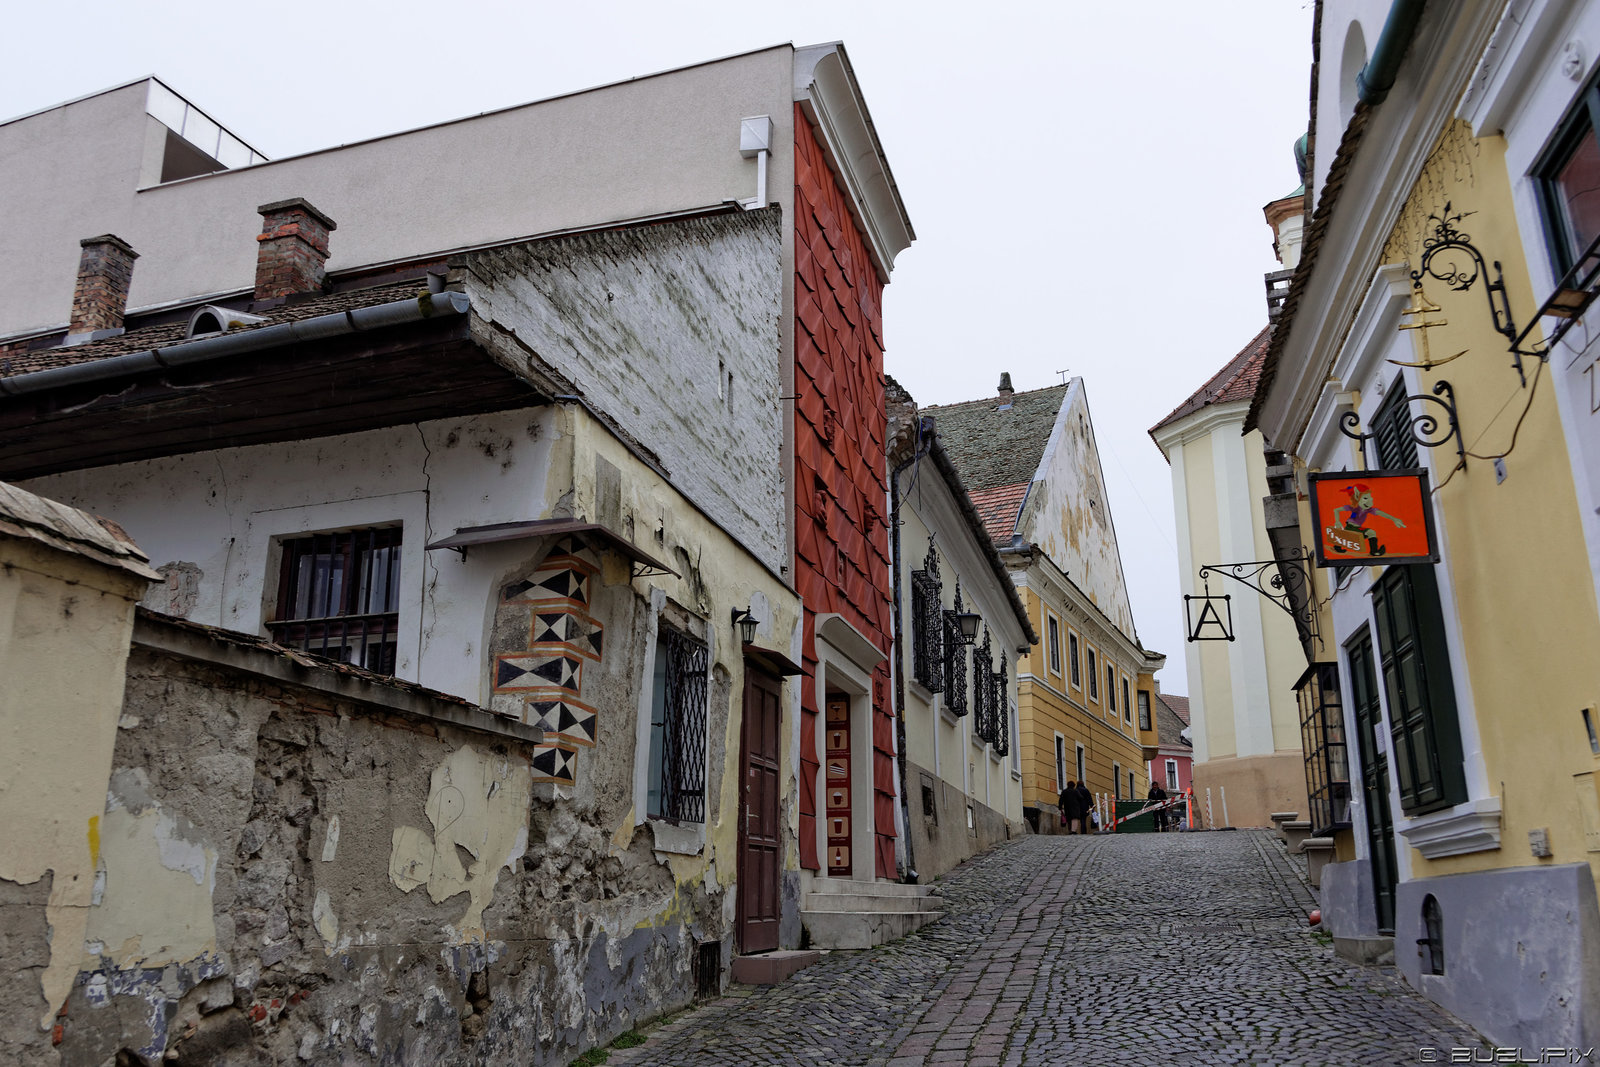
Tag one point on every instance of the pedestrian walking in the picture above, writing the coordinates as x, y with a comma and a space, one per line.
1072, 809
1087, 799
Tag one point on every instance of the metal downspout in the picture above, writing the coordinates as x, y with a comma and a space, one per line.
921, 449
1377, 77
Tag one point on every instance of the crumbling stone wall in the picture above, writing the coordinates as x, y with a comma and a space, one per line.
263, 903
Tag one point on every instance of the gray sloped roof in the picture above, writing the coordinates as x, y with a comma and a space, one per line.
992, 447
25, 516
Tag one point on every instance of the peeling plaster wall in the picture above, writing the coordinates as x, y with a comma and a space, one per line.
378, 887
64, 626
1072, 523
212, 521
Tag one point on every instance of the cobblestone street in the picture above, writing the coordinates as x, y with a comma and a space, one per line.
1177, 948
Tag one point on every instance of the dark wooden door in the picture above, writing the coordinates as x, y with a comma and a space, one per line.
837, 774
1374, 778
760, 853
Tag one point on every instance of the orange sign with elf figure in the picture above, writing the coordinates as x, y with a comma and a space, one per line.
1376, 516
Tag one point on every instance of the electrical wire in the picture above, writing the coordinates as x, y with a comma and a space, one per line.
1533, 390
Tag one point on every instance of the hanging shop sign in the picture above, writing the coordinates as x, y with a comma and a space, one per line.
1377, 516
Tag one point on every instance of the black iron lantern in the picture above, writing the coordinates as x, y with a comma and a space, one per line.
747, 624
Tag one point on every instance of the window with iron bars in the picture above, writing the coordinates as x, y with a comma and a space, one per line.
955, 660
983, 711
1002, 706
677, 778
927, 629
339, 597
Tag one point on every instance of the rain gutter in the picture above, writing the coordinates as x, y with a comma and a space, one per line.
335, 324
1377, 77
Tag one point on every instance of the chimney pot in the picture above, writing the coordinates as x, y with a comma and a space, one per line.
1005, 383
105, 271
293, 249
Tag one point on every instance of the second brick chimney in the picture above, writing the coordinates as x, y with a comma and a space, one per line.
104, 273
293, 250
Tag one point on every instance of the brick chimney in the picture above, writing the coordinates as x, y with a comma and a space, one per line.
104, 274
294, 247
1005, 383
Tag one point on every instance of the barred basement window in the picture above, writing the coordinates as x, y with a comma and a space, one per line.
1323, 742
955, 659
677, 781
339, 597
927, 629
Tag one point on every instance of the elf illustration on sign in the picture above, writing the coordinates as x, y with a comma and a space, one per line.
1350, 523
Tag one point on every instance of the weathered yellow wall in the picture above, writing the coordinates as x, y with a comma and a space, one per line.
1514, 550
716, 575
64, 630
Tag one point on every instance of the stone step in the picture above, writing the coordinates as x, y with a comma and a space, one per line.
870, 902
862, 929
850, 885
770, 968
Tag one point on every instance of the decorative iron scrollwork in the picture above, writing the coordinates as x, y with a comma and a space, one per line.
1450, 257
1424, 425
1286, 581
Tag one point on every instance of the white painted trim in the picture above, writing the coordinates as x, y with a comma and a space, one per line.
838, 672
1470, 827
646, 699
1200, 424
1060, 755
826, 89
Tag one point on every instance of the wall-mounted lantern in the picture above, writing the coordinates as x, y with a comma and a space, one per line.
747, 624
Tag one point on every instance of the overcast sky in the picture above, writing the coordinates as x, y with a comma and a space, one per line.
1086, 179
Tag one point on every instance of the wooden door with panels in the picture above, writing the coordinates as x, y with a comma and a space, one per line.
760, 847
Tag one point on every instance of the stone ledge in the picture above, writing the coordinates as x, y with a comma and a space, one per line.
1473, 826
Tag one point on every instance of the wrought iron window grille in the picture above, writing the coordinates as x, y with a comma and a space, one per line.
983, 690
955, 659
1002, 703
927, 631
683, 750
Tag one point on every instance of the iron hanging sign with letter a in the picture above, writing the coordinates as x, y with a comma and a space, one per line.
1373, 517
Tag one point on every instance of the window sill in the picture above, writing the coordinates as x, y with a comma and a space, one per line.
677, 839
920, 691
1472, 826
950, 717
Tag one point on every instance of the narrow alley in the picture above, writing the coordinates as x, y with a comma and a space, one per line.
1187, 948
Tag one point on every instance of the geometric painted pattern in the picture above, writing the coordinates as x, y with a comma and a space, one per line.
561, 718
547, 675
537, 670
554, 763
569, 630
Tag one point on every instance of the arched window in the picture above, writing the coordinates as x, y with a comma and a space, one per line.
1431, 947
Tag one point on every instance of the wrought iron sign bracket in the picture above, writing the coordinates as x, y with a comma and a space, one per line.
1424, 425
1447, 240
1286, 581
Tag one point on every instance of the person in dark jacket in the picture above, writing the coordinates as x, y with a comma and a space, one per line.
1159, 796
1088, 805
1072, 809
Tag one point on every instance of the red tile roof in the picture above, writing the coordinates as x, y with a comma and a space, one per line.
1235, 381
1179, 706
999, 508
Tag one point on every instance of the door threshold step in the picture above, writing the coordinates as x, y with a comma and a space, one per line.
770, 968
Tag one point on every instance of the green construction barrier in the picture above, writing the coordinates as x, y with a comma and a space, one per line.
1140, 823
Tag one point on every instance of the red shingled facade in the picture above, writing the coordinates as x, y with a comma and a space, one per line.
841, 480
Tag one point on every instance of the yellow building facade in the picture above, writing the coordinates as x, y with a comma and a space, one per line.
1449, 706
